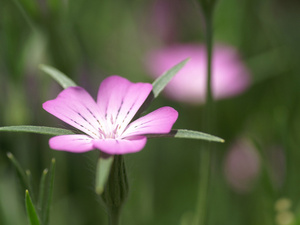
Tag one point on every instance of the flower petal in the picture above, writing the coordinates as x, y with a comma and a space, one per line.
230, 76
72, 143
158, 121
121, 146
120, 99
76, 107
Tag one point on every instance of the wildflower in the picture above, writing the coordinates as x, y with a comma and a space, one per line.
229, 76
242, 166
164, 19
107, 124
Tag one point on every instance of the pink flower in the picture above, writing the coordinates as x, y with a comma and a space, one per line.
165, 14
107, 124
242, 166
229, 76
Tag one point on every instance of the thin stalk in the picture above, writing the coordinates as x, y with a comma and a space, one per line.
25, 15
205, 154
114, 216
116, 190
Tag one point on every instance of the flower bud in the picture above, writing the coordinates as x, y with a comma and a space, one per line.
116, 189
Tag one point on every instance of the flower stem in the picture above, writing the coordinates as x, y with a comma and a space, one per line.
114, 216
116, 190
205, 157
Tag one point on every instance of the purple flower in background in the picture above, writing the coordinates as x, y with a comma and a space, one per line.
107, 124
277, 160
242, 166
165, 19
229, 75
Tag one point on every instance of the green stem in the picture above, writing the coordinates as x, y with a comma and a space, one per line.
205, 160
114, 216
209, 51
116, 190
24, 14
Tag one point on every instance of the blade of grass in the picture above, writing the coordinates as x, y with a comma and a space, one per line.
25, 15
41, 200
30, 187
48, 194
31, 212
61, 78
189, 134
161, 82
37, 129
20, 172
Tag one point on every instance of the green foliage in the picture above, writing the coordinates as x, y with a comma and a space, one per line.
42, 188
24, 179
161, 82
37, 129
47, 192
37, 212
102, 172
60, 78
189, 134
31, 211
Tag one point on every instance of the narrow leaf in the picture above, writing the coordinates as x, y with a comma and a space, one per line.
25, 15
189, 134
42, 187
61, 78
160, 83
37, 129
49, 192
102, 172
31, 212
20, 172
29, 179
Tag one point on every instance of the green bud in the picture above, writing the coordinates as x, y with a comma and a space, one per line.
116, 189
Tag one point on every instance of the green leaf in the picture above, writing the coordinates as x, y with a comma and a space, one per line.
37, 129
160, 83
29, 179
31, 212
48, 194
61, 78
189, 134
102, 172
25, 15
42, 190
20, 172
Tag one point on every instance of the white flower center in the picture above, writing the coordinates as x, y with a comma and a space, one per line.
111, 130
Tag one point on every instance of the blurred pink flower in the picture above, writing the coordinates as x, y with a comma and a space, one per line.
164, 15
277, 162
229, 75
106, 124
242, 166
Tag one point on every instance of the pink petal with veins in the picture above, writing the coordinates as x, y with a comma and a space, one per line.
104, 122
76, 107
121, 146
76, 143
120, 99
158, 121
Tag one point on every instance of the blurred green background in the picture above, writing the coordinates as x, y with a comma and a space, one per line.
90, 40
